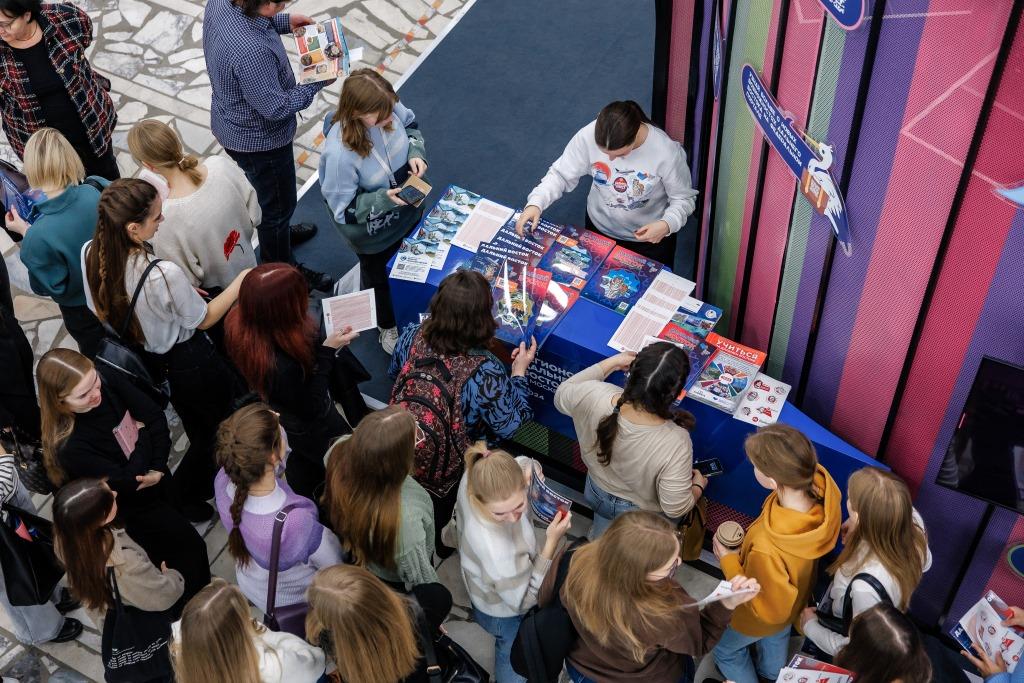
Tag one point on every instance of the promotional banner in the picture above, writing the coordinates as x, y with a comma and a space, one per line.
716, 49
810, 161
847, 13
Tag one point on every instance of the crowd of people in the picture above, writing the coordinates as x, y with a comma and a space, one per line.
338, 516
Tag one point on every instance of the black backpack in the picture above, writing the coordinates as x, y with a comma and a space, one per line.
546, 634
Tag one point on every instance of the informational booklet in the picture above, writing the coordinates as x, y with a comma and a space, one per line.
722, 590
621, 280
414, 260
481, 224
983, 624
545, 501
518, 294
357, 310
652, 311
557, 302
19, 197
323, 51
542, 232
445, 219
696, 316
575, 255
804, 669
728, 374
440, 233
763, 402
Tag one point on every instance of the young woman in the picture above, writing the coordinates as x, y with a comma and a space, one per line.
493, 403
273, 341
641, 196
885, 647
799, 523
88, 541
373, 144
169, 322
384, 517
98, 424
218, 641
635, 622
636, 446
370, 633
252, 450
500, 561
884, 537
51, 246
210, 210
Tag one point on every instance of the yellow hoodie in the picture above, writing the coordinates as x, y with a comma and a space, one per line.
780, 550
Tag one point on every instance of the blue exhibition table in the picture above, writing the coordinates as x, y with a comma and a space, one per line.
580, 340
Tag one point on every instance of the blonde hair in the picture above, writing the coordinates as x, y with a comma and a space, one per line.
786, 455
57, 374
216, 640
885, 530
363, 625
491, 476
607, 583
51, 161
364, 92
155, 143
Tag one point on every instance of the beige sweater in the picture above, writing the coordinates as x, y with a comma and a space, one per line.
651, 466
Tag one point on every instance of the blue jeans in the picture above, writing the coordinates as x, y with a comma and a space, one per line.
606, 507
504, 630
272, 175
732, 655
576, 677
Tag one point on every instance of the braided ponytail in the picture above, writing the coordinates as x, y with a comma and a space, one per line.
607, 430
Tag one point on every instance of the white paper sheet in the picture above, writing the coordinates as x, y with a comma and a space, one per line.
357, 310
722, 590
482, 224
763, 401
651, 312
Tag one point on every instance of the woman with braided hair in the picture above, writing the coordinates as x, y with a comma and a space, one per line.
169, 323
252, 450
635, 444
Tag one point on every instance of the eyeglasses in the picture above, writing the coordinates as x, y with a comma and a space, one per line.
6, 25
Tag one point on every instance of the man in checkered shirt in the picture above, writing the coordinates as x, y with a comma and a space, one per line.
255, 100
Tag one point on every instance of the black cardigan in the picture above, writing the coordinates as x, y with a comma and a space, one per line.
301, 399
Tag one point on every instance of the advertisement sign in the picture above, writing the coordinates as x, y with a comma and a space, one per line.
848, 13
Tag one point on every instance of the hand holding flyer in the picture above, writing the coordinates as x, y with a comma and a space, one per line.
357, 310
545, 502
323, 51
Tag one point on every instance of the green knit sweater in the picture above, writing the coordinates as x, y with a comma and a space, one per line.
415, 539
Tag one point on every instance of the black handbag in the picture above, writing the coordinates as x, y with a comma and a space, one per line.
841, 624
126, 357
134, 642
447, 661
28, 460
287, 618
31, 569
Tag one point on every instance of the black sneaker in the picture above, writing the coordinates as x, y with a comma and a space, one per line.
197, 513
302, 232
67, 603
71, 629
315, 279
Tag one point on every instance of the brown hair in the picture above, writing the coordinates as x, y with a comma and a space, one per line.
607, 583
57, 374
460, 314
245, 443
885, 530
885, 646
786, 455
363, 625
124, 201
51, 161
82, 539
618, 124
491, 475
155, 143
364, 92
216, 640
365, 473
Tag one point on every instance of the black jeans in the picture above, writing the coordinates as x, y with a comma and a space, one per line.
663, 252
103, 166
18, 405
84, 327
444, 508
373, 272
272, 175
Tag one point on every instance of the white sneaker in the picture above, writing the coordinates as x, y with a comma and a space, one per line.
388, 339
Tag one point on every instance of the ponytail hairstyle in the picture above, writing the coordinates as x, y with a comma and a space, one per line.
216, 640
491, 476
83, 540
246, 443
363, 493
364, 92
885, 530
607, 583
786, 455
656, 378
155, 143
885, 646
124, 201
58, 373
618, 125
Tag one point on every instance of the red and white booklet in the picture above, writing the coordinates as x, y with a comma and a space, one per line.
804, 669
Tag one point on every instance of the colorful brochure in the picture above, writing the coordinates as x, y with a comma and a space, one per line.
20, 198
621, 280
518, 293
575, 255
728, 374
323, 51
983, 624
557, 302
763, 402
696, 316
545, 502
804, 669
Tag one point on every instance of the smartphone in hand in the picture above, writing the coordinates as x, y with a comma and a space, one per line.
709, 468
411, 195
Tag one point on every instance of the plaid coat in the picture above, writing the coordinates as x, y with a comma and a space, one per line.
67, 31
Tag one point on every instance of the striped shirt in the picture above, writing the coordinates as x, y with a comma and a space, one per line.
8, 478
255, 97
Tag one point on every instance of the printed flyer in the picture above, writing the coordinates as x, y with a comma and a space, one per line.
323, 51
730, 371
763, 402
621, 280
575, 255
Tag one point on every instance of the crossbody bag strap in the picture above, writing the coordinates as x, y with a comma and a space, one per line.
112, 581
870, 580
275, 556
434, 670
135, 297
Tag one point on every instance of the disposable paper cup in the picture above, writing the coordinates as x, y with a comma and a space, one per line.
730, 534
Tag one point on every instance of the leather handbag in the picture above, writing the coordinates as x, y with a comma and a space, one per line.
692, 529
447, 661
126, 357
841, 624
28, 460
31, 569
287, 618
134, 641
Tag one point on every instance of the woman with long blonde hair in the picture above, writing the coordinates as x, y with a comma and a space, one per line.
218, 641
370, 633
633, 618
884, 538
384, 517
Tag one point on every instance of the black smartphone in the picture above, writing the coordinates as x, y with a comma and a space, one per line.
709, 468
410, 195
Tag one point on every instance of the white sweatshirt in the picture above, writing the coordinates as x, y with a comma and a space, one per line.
650, 183
282, 657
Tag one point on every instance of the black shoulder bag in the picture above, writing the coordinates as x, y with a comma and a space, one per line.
841, 624
134, 641
447, 661
31, 569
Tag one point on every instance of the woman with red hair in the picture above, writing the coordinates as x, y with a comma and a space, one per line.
272, 340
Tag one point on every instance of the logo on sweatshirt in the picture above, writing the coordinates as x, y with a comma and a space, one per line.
620, 184
230, 243
601, 171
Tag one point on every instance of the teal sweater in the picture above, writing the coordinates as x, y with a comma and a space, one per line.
52, 248
415, 540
